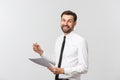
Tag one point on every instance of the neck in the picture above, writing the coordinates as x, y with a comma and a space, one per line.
67, 33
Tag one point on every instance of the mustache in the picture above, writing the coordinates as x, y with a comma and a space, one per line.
65, 26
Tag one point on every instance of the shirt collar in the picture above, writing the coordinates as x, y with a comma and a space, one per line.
69, 34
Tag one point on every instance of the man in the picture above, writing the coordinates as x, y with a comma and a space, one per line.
71, 60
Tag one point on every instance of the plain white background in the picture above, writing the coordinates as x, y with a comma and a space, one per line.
23, 22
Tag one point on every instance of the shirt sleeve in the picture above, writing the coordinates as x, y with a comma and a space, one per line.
82, 66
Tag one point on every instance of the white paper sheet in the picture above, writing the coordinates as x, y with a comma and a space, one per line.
41, 61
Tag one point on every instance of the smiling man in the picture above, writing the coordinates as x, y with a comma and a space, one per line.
71, 51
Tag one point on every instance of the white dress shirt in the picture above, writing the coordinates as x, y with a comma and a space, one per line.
75, 56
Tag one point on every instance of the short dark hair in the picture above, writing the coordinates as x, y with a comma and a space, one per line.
68, 12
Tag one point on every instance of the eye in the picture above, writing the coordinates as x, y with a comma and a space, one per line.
63, 20
70, 21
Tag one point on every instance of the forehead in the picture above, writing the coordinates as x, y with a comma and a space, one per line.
67, 17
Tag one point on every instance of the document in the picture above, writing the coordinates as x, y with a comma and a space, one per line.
41, 61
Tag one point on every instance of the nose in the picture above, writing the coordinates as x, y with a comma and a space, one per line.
66, 23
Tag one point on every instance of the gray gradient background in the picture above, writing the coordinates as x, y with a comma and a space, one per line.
23, 22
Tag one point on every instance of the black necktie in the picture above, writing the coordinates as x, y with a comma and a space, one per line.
60, 58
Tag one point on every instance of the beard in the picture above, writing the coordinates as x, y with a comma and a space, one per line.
66, 28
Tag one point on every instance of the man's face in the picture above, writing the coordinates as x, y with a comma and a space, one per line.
67, 23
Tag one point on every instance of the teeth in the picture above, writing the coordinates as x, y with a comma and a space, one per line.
65, 27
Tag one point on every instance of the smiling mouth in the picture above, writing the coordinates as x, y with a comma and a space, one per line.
65, 27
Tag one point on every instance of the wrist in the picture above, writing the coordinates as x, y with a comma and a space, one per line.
62, 71
40, 53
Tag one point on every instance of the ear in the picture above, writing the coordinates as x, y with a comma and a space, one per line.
75, 23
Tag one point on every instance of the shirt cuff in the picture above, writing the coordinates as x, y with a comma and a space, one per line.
67, 70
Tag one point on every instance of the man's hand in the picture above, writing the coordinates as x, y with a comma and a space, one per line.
37, 48
56, 70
